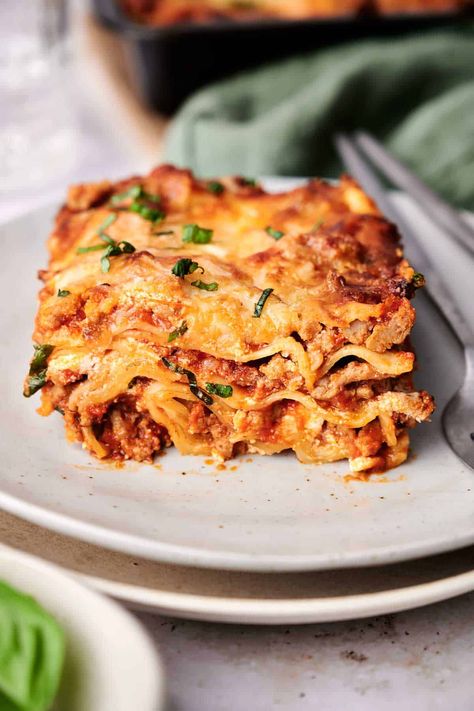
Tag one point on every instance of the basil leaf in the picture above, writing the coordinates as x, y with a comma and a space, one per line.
107, 222
151, 198
63, 292
197, 235
200, 394
148, 213
115, 250
418, 280
180, 331
105, 264
93, 248
261, 302
212, 286
32, 650
215, 187
38, 369
134, 192
40, 357
218, 389
35, 383
276, 234
185, 266
126, 247
107, 239
176, 368
193, 386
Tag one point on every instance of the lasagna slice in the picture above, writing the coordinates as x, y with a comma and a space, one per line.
217, 317
169, 12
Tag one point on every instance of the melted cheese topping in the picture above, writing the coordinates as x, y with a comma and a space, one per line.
338, 297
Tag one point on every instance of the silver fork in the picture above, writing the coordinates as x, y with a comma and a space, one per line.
458, 415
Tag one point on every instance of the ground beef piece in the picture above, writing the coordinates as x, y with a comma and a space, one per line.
130, 434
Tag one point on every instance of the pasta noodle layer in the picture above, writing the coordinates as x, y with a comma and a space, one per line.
223, 319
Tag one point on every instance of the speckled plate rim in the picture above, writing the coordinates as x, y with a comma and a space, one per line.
297, 611
166, 553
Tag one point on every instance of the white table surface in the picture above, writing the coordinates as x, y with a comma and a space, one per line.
421, 660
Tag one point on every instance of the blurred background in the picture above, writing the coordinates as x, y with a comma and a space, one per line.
110, 87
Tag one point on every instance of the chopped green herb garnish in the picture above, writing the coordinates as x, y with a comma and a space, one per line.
163, 232
185, 266
63, 292
151, 198
35, 383
134, 192
212, 286
38, 369
105, 238
148, 213
200, 394
177, 368
115, 249
111, 251
127, 248
276, 234
196, 234
110, 219
418, 280
251, 182
140, 198
93, 248
40, 357
105, 264
261, 302
193, 386
215, 187
218, 389
180, 331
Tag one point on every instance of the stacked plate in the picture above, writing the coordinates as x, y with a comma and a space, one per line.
262, 540
116, 669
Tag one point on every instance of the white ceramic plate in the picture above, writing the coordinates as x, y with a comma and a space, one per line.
250, 598
269, 513
110, 663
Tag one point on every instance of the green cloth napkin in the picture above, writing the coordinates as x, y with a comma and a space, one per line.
416, 93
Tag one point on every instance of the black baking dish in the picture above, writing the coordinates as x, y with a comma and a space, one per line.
168, 63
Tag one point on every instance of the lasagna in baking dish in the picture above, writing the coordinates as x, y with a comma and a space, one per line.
165, 12
217, 317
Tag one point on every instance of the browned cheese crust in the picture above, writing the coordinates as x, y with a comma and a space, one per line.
302, 322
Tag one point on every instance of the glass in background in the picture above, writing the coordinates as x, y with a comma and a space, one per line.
37, 119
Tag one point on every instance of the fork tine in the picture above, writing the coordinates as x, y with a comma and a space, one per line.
431, 203
457, 415
358, 167
438, 290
